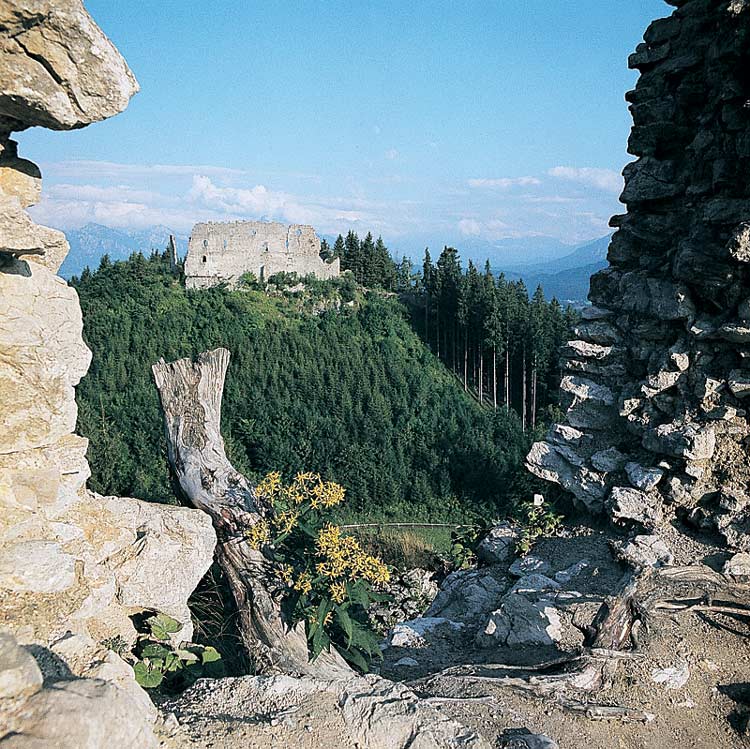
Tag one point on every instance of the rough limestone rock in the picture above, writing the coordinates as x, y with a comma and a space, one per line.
521, 622
57, 68
465, 595
659, 367
19, 674
499, 544
74, 566
367, 712
421, 632
738, 567
79, 714
644, 551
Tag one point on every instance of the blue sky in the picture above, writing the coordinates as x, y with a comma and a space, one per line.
428, 122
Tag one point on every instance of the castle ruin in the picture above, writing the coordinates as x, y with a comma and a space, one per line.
223, 252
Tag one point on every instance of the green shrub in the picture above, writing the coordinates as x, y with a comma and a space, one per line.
157, 664
326, 579
537, 518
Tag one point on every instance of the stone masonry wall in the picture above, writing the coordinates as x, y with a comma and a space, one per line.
223, 252
657, 379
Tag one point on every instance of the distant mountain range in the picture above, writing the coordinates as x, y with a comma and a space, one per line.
567, 277
90, 242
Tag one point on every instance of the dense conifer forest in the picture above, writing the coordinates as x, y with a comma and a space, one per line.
499, 343
333, 379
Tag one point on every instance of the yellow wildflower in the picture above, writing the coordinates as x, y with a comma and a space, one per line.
338, 592
303, 584
286, 520
329, 540
259, 534
269, 487
328, 618
286, 572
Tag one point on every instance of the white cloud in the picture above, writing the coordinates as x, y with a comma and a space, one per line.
85, 169
489, 229
602, 179
469, 227
391, 154
503, 183
549, 199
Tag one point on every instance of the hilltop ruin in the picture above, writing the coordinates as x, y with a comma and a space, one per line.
223, 252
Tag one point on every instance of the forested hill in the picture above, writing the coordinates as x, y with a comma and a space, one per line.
353, 394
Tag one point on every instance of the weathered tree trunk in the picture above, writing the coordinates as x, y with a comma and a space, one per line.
191, 394
523, 388
466, 359
494, 376
507, 374
481, 373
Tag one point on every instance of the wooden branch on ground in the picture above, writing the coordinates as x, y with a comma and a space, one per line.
191, 394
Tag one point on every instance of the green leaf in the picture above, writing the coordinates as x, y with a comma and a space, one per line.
186, 655
320, 641
308, 529
154, 650
172, 663
345, 621
146, 677
356, 658
162, 626
210, 655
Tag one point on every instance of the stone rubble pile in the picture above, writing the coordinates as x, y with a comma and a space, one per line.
510, 602
657, 380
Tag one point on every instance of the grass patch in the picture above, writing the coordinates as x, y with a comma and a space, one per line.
408, 547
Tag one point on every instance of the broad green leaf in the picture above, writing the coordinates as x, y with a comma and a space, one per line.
146, 677
345, 621
154, 650
210, 655
356, 658
162, 626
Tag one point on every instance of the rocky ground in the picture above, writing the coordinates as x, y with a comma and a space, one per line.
474, 656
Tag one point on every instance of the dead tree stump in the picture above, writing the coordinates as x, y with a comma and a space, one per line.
191, 394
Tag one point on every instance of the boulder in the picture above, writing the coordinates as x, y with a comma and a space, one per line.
422, 632
608, 460
563, 577
57, 68
520, 622
465, 595
499, 544
739, 384
738, 567
528, 565
80, 714
42, 358
19, 674
36, 566
644, 551
632, 505
690, 440
642, 478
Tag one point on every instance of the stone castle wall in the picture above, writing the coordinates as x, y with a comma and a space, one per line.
223, 252
657, 378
